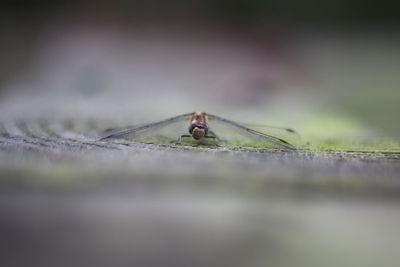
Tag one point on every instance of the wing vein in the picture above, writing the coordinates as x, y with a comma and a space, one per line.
272, 139
144, 127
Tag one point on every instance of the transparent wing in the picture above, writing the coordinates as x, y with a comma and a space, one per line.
228, 131
288, 134
237, 134
163, 131
283, 130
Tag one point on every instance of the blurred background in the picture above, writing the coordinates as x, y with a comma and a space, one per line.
324, 68
329, 69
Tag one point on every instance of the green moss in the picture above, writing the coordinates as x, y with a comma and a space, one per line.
367, 145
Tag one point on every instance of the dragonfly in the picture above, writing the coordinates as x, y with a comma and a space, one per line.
200, 126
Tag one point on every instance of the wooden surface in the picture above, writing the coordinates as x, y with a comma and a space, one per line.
69, 200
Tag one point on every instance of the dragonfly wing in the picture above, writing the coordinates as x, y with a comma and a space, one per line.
236, 133
160, 131
287, 134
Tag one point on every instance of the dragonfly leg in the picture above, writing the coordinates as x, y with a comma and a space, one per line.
183, 135
213, 135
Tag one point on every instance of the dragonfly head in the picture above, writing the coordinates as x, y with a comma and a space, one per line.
198, 133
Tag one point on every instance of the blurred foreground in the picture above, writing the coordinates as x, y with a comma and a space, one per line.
87, 203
